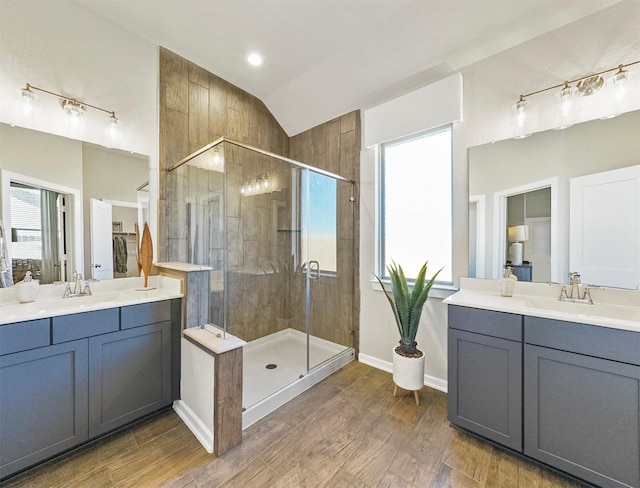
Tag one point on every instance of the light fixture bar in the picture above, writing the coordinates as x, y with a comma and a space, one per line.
73, 101
564, 83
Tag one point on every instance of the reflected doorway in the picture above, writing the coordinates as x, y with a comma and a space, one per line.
39, 236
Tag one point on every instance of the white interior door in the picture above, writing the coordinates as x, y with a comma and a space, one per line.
604, 237
101, 240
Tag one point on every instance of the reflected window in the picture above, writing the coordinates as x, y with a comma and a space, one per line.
26, 226
38, 241
415, 204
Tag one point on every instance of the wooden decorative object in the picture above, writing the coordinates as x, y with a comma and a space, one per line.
138, 260
146, 253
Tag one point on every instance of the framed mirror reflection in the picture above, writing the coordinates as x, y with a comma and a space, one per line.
528, 182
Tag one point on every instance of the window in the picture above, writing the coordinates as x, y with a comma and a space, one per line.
26, 226
415, 204
318, 241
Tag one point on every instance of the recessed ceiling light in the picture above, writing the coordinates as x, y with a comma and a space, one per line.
254, 59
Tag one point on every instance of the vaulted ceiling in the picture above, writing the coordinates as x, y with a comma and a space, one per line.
323, 58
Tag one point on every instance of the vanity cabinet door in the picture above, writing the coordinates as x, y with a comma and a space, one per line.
582, 415
485, 386
43, 404
129, 375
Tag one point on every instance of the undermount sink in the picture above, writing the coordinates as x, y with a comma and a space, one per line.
598, 310
76, 302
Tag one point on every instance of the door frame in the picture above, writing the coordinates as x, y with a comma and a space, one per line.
500, 225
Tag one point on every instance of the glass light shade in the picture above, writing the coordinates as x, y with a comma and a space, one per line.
566, 107
112, 126
28, 97
619, 84
520, 119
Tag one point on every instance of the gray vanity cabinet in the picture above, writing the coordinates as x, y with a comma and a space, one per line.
582, 413
68, 379
43, 403
485, 374
578, 408
129, 375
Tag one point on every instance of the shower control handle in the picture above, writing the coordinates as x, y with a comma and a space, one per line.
314, 267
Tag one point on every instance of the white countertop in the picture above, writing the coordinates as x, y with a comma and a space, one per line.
618, 309
105, 294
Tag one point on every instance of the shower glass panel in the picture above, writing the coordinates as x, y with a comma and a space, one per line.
279, 237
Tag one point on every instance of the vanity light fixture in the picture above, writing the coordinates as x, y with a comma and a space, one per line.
584, 87
71, 106
255, 186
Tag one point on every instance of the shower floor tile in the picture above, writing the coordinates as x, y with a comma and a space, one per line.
288, 351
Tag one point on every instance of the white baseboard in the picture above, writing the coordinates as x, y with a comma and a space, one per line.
430, 381
204, 435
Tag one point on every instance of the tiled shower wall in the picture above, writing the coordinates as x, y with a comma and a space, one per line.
335, 146
197, 107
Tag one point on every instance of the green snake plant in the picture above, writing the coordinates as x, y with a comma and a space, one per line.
407, 307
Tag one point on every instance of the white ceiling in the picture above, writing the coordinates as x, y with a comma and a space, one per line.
324, 58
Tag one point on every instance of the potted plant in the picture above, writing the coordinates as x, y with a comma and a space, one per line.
408, 360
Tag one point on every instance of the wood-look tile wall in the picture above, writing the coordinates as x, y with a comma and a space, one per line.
197, 107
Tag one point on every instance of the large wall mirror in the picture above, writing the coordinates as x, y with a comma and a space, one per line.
531, 192
68, 206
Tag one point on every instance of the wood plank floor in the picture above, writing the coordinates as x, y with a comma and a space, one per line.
348, 431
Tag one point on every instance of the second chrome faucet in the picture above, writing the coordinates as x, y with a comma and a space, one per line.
574, 292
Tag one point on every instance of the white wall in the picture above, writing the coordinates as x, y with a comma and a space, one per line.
41, 155
491, 87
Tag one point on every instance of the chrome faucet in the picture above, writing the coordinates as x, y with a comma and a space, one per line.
78, 290
574, 292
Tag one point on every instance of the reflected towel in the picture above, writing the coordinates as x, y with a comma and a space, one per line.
120, 254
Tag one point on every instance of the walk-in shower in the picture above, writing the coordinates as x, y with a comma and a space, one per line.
279, 235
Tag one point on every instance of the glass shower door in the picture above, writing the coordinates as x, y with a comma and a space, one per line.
328, 279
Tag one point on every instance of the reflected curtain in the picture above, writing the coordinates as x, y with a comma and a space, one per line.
6, 274
50, 230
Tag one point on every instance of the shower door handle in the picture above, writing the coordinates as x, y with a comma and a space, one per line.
314, 267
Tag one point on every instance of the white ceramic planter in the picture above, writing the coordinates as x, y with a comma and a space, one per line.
408, 373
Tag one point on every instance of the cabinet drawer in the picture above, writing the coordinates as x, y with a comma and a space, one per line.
22, 336
602, 342
487, 322
145, 314
87, 324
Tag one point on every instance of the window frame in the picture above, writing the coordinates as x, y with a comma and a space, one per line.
380, 268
